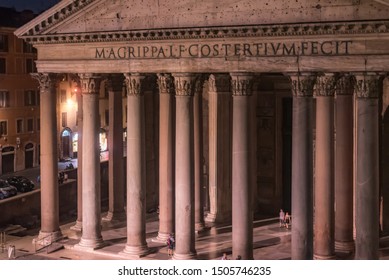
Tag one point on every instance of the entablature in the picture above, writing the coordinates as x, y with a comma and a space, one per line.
363, 28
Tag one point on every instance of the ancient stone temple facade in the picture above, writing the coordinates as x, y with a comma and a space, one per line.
264, 104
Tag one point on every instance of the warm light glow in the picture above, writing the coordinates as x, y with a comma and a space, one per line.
70, 103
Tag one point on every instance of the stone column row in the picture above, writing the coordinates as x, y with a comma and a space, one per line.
326, 204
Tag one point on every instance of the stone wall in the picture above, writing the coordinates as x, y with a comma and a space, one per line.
130, 15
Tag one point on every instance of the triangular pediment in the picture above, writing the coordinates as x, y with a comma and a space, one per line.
99, 16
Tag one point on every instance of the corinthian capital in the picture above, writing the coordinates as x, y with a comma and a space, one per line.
219, 83
133, 84
90, 84
165, 83
45, 80
325, 85
114, 83
241, 84
345, 85
199, 84
367, 85
302, 85
185, 84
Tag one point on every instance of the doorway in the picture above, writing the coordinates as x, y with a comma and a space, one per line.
65, 140
8, 160
29, 156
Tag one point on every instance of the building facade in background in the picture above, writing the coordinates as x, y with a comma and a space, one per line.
19, 96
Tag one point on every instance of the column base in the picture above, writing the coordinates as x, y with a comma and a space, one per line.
189, 256
211, 217
90, 244
161, 238
322, 257
115, 216
46, 238
135, 251
345, 246
77, 226
199, 227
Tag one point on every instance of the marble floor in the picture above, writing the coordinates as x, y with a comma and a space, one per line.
269, 241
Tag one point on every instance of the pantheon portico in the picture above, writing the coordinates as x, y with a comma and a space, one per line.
295, 94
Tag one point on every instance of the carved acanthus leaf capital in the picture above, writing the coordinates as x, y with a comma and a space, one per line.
45, 80
325, 85
241, 84
219, 83
185, 84
199, 84
345, 85
367, 85
114, 83
90, 84
302, 85
133, 84
165, 83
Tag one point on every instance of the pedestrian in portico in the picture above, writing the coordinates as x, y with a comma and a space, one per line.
282, 218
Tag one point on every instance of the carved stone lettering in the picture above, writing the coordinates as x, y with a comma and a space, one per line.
307, 48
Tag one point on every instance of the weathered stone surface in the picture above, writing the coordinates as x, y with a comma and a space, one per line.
132, 15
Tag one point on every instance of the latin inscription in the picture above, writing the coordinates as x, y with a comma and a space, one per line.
306, 48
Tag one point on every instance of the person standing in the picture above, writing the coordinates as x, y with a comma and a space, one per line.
224, 257
170, 242
287, 220
282, 218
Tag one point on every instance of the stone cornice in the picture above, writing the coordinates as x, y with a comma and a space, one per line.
52, 17
263, 31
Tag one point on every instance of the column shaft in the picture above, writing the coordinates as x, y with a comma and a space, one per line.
78, 224
49, 160
91, 198
242, 215
198, 155
115, 148
302, 168
136, 171
184, 176
324, 243
166, 164
220, 148
344, 167
367, 188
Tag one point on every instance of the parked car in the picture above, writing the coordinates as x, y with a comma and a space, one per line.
22, 183
69, 166
6, 190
